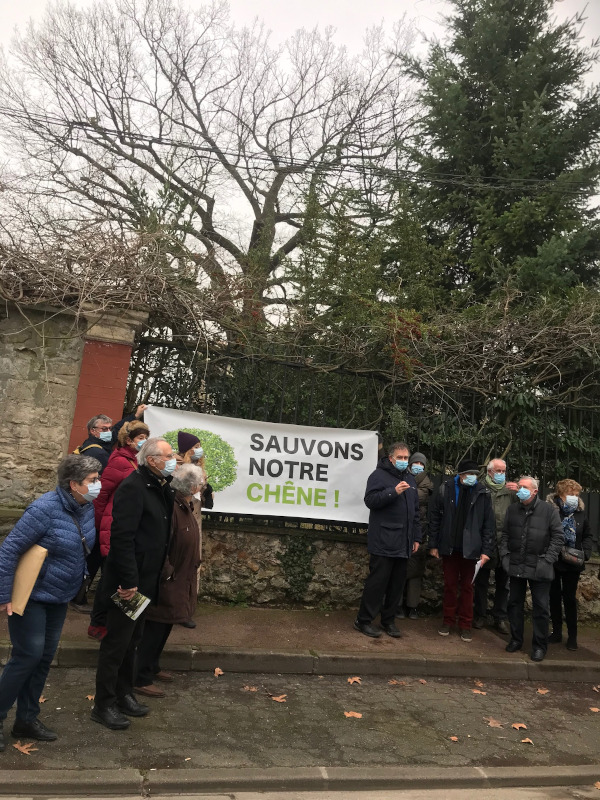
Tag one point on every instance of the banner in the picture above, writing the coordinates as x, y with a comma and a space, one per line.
277, 470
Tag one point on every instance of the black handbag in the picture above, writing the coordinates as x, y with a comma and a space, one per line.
85, 583
573, 556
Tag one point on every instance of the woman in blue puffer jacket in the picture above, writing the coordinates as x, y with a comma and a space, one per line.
57, 521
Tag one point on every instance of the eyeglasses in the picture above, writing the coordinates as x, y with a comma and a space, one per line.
103, 428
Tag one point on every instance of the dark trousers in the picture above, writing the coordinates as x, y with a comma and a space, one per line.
481, 591
540, 600
563, 590
101, 602
94, 561
383, 589
458, 590
34, 637
415, 571
150, 649
116, 660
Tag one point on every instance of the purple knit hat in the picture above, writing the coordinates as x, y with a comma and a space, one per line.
185, 441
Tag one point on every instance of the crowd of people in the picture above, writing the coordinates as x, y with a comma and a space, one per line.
129, 505
476, 524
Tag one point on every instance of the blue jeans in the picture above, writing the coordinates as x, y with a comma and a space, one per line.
34, 638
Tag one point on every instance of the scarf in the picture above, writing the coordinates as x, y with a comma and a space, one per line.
569, 525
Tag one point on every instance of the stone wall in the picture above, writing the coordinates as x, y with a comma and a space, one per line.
40, 355
244, 566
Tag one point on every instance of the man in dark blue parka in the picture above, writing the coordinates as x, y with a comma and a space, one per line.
394, 533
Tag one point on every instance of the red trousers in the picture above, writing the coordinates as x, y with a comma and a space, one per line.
458, 590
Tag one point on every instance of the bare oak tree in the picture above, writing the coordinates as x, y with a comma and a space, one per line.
145, 117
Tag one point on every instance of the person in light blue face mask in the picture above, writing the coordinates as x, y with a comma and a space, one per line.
532, 537
502, 493
394, 534
141, 523
461, 532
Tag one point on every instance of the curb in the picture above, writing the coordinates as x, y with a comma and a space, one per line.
187, 781
185, 658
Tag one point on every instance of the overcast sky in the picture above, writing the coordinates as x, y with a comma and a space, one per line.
349, 17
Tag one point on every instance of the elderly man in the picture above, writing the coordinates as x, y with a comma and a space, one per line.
461, 531
394, 533
532, 537
102, 435
142, 512
502, 494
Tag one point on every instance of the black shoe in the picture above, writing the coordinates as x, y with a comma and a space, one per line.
392, 631
501, 625
413, 613
400, 614
33, 730
189, 623
110, 717
479, 623
513, 646
572, 643
537, 654
130, 706
555, 637
367, 629
2, 741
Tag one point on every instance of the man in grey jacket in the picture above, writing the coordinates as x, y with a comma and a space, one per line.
532, 537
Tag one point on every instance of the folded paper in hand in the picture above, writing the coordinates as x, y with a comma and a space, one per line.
26, 574
134, 607
478, 566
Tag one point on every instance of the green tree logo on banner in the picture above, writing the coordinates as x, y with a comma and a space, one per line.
219, 458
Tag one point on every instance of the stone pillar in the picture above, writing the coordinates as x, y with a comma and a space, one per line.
104, 369
41, 354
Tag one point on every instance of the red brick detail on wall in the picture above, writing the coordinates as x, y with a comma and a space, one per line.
102, 386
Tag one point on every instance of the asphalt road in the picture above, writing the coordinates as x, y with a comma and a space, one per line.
234, 721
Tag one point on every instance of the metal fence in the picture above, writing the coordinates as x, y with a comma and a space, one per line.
541, 439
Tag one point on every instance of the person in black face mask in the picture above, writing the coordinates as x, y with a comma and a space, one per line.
394, 534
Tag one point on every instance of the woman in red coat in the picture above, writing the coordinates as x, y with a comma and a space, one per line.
178, 593
122, 462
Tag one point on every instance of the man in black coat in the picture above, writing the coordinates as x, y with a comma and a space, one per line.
102, 435
461, 531
531, 541
394, 534
142, 512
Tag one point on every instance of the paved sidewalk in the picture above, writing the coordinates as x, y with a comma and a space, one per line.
319, 642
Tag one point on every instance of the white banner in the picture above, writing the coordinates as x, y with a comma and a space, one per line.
277, 470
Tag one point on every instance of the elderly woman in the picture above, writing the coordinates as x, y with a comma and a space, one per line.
178, 591
577, 535
122, 462
62, 522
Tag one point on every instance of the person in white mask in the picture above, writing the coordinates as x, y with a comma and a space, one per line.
141, 523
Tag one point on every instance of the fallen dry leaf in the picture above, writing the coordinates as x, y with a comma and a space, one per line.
596, 689
27, 748
42, 699
422, 680
526, 741
354, 714
454, 738
354, 680
493, 723
250, 689
478, 691
90, 696
518, 726
594, 709
394, 682
280, 698
597, 784
188, 759
543, 691
481, 684
218, 671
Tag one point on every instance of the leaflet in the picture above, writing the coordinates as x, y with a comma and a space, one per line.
134, 607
